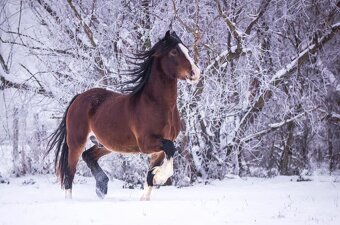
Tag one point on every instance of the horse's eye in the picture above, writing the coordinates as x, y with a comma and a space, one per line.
174, 52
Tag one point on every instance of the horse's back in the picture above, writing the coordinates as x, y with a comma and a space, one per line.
81, 110
95, 97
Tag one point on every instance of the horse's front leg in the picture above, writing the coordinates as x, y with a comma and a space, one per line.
161, 167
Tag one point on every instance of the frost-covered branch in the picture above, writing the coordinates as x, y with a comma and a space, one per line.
224, 57
262, 9
283, 73
34, 77
333, 117
303, 56
4, 83
274, 126
184, 24
87, 29
3, 64
98, 58
194, 30
52, 13
231, 26
52, 50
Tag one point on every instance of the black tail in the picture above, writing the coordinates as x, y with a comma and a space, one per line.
58, 141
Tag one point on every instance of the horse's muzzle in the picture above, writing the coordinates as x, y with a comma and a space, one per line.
194, 76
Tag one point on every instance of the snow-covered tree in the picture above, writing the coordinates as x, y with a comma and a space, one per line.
267, 104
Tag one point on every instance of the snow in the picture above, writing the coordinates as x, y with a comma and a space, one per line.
233, 48
279, 200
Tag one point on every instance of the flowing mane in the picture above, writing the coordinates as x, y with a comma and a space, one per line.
144, 60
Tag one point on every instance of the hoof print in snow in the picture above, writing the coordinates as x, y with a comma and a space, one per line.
302, 179
3, 180
28, 182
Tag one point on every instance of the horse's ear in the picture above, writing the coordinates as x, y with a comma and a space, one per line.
167, 35
173, 34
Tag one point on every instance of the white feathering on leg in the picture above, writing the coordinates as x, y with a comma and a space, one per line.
146, 193
163, 172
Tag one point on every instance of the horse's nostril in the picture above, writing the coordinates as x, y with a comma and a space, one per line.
192, 73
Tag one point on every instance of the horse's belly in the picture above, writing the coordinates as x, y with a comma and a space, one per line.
125, 149
119, 143
115, 138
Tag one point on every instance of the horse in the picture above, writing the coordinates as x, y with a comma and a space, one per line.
145, 120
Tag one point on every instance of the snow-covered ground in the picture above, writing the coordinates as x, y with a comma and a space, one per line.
279, 200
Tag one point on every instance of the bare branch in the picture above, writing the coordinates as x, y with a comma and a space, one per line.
87, 29
274, 126
56, 18
289, 69
333, 117
279, 76
98, 59
222, 58
262, 9
189, 29
3, 64
231, 26
59, 51
32, 75
303, 56
4, 83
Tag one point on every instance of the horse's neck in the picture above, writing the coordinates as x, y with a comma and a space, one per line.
160, 88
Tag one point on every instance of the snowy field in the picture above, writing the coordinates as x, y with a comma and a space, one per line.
282, 200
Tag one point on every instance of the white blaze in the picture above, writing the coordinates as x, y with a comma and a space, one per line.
195, 69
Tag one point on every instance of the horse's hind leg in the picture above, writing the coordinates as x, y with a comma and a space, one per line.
74, 153
76, 141
91, 157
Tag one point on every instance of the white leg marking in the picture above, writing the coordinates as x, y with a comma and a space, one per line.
68, 193
163, 172
146, 193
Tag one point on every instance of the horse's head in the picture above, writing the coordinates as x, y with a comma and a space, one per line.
175, 60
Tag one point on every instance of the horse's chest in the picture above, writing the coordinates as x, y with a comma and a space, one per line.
171, 125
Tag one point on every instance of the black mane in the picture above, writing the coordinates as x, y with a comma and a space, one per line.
144, 60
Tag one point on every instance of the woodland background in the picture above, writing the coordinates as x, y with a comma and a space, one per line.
268, 102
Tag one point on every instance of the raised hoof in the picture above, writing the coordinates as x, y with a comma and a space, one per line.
101, 186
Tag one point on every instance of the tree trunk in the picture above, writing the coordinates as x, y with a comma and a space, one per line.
15, 152
330, 147
145, 23
287, 150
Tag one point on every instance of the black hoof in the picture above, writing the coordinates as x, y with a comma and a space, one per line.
101, 185
101, 193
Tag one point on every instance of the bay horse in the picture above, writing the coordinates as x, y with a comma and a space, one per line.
146, 120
